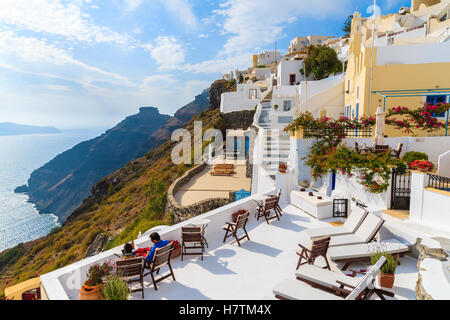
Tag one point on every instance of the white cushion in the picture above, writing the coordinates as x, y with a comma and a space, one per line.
329, 231
355, 219
296, 290
324, 277
365, 250
369, 227
344, 240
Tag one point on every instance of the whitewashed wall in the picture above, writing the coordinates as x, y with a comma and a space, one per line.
413, 54
429, 208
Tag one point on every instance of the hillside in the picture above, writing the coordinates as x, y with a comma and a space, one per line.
130, 200
13, 129
60, 186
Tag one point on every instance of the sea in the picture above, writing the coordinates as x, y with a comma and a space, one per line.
19, 156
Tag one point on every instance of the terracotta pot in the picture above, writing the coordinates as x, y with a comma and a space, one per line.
302, 189
319, 197
311, 194
176, 253
386, 280
91, 292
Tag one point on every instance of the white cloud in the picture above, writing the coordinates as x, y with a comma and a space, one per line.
56, 17
167, 52
132, 5
182, 10
253, 25
203, 35
36, 56
56, 87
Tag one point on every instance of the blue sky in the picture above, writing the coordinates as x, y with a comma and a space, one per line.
90, 63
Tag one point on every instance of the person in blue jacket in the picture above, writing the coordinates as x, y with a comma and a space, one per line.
158, 243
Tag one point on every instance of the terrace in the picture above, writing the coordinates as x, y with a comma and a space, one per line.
229, 271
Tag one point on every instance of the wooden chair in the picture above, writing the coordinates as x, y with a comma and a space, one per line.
318, 248
264, 210
232, 228
396, 153
192, 238
357, 148
160, 259
379, 149
132, 270
277, 207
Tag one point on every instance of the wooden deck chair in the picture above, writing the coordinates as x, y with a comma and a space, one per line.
396, 152
278, 208
192, 238
131, 270
318, 248
264, 210
160, 259
232, 228
363, 290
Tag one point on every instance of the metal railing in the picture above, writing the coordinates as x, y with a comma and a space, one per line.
311, 133
438, 182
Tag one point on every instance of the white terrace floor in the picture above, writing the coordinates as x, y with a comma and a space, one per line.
252, 271
205, 186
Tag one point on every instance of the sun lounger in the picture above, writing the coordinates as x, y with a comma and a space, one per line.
353, 222
362, 252
364, 289
364, 234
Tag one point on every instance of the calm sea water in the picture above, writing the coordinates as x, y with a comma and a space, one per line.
19, 156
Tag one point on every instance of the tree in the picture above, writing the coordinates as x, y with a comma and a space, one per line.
321, 61
347, 28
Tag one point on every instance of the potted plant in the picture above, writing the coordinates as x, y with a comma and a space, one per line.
115, 288
92, 287
282, 167
422, 165
386, 277
276, 107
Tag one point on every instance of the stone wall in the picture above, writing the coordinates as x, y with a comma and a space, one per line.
425, 252
182, 213
239, 119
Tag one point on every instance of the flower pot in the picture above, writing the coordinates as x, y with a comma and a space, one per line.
386, 280
302, 189
310, 194
319, 197
176, 253
91, 292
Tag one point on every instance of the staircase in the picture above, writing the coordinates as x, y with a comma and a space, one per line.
276, 149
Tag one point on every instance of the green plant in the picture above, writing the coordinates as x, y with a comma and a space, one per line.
347, 28
276, 107
412, 156
321, 61
97, 272
391, 262
116, 288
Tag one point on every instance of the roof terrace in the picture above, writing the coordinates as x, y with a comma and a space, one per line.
229, 271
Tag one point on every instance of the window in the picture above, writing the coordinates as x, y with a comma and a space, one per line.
252, 94
436, 100
292, 78
287, 105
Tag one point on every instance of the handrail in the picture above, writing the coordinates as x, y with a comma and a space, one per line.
438, 182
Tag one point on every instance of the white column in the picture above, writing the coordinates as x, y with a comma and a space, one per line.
418, 185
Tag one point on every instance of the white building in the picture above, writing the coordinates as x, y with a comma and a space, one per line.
267, 58
246, 97
288, 73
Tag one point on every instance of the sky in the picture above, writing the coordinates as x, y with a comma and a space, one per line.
90, 63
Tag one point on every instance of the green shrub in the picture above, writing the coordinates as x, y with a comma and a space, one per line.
391, 263
413, 156
276, 107
115, 288
12, 255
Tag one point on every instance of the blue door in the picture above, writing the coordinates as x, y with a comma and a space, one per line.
436, 100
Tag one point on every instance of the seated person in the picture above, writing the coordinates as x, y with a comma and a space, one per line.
127, 251
158, 243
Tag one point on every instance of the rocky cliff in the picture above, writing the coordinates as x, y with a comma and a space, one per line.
60, 186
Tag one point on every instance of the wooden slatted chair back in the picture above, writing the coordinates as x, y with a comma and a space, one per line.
162, 256
191, 234
241, 220
320, 246
130, 267
270, 203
